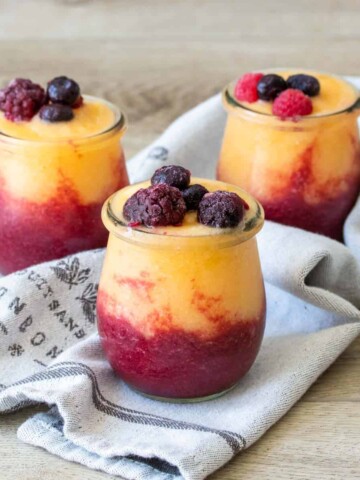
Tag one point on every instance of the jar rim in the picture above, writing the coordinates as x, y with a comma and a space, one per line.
249, 227
232, 104
119, 125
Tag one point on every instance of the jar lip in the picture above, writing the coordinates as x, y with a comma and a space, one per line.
231, 102
249, 227
119, 125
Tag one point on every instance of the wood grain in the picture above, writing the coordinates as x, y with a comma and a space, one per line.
156, 60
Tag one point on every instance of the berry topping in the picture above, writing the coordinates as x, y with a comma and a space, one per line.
158, 205
246, 87
172, 175
270, 86
56, 113
193, 195
63, 90
221, 209
21, 99
292, 104
306, 83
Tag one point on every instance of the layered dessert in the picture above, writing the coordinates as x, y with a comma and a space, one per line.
60, 158
181, 303
292, 140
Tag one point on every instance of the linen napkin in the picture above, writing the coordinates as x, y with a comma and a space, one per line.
50, 352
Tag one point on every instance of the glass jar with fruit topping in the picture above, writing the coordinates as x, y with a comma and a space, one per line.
58, 164
292, 141
181, 308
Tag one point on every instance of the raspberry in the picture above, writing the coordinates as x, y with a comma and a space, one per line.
193, 195
270, 86
158, 205
221, 209
21, 99
63, 90
291, 104
56, 113
246, 87
306, 83
172, 175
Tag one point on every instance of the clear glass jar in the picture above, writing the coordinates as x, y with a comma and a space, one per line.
181, 310
52, 192
305, 173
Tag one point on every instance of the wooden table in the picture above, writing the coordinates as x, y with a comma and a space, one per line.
157, 59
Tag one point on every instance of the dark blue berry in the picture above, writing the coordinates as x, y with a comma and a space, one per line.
193, 195
158, 205
306, 83
63, 90
56, 113
221, 209
172, 175
270, 86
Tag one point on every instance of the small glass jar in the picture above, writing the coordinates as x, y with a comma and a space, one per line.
305, 174
181, 313
52, 191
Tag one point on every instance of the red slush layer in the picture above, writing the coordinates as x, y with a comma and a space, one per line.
32, 233
326, 218
178, 364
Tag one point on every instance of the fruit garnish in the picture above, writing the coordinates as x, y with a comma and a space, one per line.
158, 205
193, 195
21, 99
56, 113
246, 87
270, 86
63, 90
221, 209
291, 104
172, 175
306, 83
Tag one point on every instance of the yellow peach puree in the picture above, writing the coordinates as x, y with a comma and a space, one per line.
190, 277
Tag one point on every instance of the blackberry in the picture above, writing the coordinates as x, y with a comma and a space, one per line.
21, 99
221, 209
158, 205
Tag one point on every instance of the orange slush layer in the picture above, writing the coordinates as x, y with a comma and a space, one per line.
262, 158
91, 118
186, 282
35, 170
335, 94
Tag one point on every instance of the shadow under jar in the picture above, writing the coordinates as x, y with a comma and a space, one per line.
181, 310
52, 189
305, 173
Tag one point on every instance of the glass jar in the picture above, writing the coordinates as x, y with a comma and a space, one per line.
305, 174
52, 191
181, 310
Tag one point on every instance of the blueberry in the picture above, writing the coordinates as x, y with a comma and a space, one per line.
63, 90
172, 175
193, 195
221, 209
270, 86
56, 113
306, 83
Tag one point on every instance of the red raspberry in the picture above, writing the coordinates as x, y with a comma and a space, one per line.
246, 87
292, 104
21, 99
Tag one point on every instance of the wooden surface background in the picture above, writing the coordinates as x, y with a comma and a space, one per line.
156, 59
